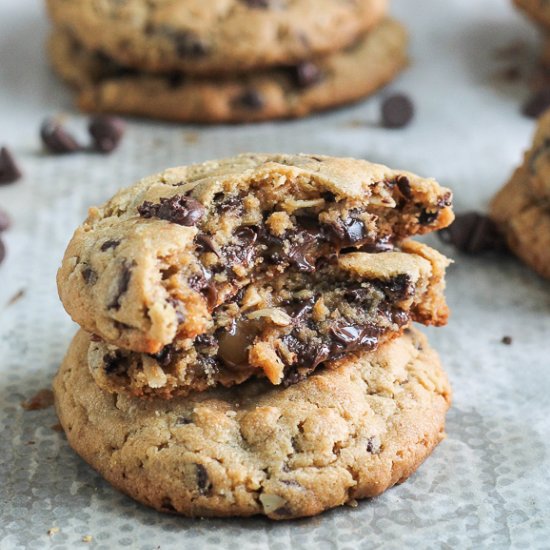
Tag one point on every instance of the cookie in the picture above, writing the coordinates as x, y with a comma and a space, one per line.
538, 10
525, 221
342, 434
285, 328
537, 160
151, 264
218, 36
290, 92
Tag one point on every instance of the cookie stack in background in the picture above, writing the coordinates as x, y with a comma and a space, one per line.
246, 343
522, 207
232, 61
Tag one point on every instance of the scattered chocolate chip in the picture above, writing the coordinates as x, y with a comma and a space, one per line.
507, 340
404, 186
203, 482
109, 244
537, 103
56, 139
473, 233
41, 400
9, 170
306, 74
177, 209
106, 132
5, 221
89, 276
16, 297
124, 277
426, 217
397, 111
250, 100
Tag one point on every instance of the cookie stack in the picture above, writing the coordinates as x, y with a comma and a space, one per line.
522, 207
230, 61
246, 343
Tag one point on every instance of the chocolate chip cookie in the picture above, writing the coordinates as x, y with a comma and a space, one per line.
342, 434
151, 265
538, 10
284, 92
285, 328
216, 36
522, 207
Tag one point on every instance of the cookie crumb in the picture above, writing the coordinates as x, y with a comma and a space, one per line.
41, 400
53, 531
16, 297
507, 340
87, 538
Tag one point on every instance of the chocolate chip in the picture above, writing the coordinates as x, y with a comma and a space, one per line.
404, 186
426, 217
5, 221
507, 340
347, 335
234, 203
177, 209
250, 100
124, 277
109, 244
473, 233
89, 276
106, 132
306, 74
56, 139
348, 232
183, 421
112, 363
9, 170
244, 250
308, 354
301, 252
205, 243
537, 103
397, 111
165, 356
257, 3
373, 445
188, 44
203, 482
166, 504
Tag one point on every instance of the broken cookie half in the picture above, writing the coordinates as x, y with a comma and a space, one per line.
165, 263
283, 328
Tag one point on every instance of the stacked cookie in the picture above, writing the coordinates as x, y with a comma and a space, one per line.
522, 206
230, 61
246, 343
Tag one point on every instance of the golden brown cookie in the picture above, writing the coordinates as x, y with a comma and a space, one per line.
152, 264
217, 35
284, 92
340, 435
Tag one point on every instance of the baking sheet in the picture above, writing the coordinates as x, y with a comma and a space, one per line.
486, 486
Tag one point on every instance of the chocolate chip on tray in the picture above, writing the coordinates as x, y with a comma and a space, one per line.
397, 111
507, 340
9, 171
106, 132
473, 233
56, 139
